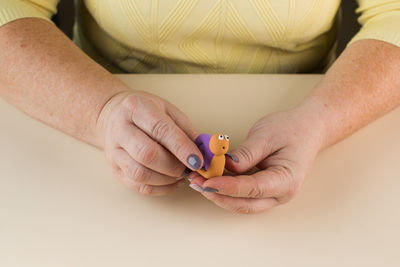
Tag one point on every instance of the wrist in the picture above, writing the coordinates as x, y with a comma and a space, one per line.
315, 117
104, 114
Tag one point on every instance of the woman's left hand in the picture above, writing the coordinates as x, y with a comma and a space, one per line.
272, 164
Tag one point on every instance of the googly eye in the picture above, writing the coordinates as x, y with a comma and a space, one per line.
221, 137
226, 137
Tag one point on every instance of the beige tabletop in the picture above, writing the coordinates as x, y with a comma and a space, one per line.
60, 205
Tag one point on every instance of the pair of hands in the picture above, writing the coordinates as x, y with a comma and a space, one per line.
149, 144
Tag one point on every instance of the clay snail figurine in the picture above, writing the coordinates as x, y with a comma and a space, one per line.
214, 148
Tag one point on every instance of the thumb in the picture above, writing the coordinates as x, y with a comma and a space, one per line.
253, 150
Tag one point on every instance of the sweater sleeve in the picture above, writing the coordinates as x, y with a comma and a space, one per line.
380, 20
15, 9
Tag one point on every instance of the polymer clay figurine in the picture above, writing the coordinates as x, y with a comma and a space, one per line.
214, 148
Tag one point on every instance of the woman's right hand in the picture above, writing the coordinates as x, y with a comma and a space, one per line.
146, 139
148, 142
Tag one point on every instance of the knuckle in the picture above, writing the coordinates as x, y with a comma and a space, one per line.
180, 148
266, 145
160, 129
132, 101
140, 174
145, 189
147, 154
277, 185
255, 189
246, 154
294, 188
256, 192
247, 209
286, 185
116, 171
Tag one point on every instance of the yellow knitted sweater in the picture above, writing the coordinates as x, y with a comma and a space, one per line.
224, 36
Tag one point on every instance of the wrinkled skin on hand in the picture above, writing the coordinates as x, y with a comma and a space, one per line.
148, 142
272, 164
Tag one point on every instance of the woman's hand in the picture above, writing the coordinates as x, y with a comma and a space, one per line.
272, 162
148, 142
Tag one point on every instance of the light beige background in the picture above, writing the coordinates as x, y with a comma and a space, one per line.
60, 205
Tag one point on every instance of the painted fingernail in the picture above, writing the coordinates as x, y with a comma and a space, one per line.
186, 172
194, 161
209, 189
196, 187
233, 157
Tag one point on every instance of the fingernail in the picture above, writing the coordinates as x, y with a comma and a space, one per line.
194, 161
186, 172
196, 187
190, 179
181, 183
233, 157
209, 189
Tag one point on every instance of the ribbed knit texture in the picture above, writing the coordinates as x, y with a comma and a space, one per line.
223, 36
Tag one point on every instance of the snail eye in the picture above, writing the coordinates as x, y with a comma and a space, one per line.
227, 137
220, 137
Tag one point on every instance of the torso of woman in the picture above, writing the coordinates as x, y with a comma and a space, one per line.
208, 36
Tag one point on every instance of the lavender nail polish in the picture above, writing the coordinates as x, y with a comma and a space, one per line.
209, 189
233, 157
194, 161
